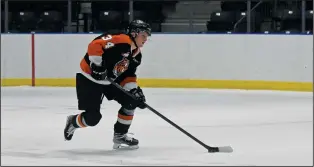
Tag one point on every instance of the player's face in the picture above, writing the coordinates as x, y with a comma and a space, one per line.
141, 38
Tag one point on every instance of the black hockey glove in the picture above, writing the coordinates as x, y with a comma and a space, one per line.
138, 93
98, 72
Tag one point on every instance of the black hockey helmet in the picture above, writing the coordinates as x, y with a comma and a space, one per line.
138, 26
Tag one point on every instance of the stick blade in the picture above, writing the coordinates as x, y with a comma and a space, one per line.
222, 149
225, 149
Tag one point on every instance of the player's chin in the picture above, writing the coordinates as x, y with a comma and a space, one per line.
141, 45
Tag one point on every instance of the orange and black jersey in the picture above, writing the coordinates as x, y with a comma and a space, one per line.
114, 52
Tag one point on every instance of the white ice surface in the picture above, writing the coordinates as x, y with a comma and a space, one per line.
263, 127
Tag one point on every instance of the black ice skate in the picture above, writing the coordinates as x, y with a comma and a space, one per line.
69, 128
124, 142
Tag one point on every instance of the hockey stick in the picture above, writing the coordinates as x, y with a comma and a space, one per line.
225, 149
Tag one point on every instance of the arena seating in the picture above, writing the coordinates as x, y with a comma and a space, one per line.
51, 16
284, 18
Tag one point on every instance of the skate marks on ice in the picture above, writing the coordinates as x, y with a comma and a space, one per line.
142, 156
149, 156
45, 159
229, 119
245, 125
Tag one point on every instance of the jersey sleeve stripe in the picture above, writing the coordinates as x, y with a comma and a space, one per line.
128, 80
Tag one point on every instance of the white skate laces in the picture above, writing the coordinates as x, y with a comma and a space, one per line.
126, 136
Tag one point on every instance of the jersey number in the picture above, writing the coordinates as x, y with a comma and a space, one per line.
107, 38
108, 44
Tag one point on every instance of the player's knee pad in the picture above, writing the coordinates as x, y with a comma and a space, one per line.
129, 106
92, 118
128, 103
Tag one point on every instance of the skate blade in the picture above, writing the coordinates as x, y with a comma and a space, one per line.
124, 147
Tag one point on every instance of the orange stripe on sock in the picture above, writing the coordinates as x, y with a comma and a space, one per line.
80, 122
125, 117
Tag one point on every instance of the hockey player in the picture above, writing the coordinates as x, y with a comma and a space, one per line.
114, 55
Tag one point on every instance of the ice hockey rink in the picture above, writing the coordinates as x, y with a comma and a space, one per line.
263, 127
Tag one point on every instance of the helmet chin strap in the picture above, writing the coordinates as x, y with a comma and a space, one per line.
133, 40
